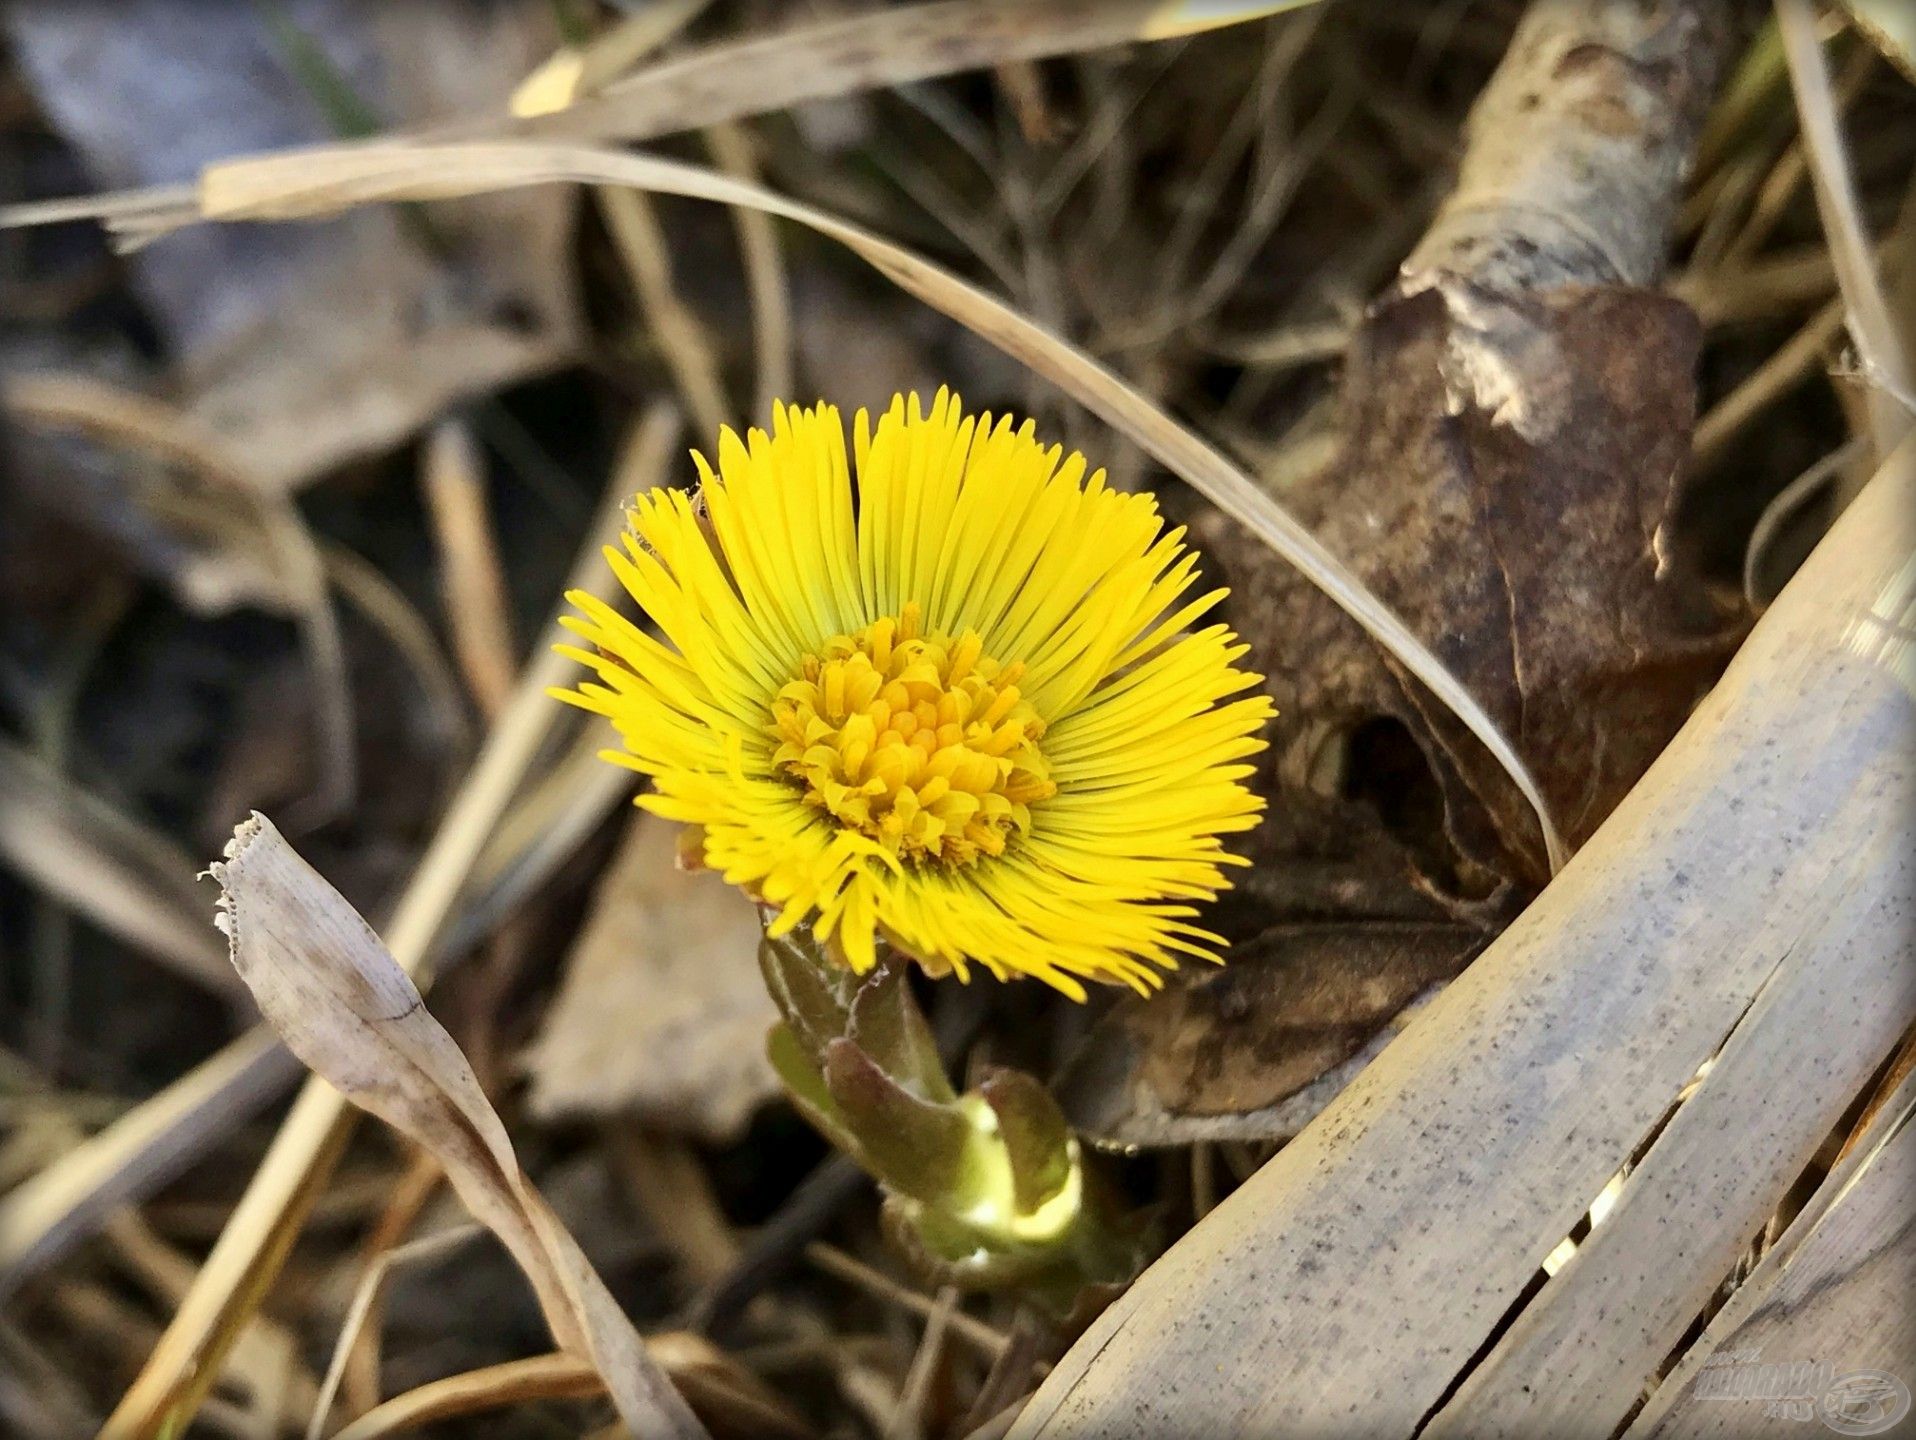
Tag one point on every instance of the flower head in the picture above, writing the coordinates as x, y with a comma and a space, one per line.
949, 697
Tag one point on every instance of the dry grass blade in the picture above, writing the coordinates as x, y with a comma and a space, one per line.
472, 578
345, 1007
683, 343
908, 1421
105, 865
739, 79
579, 70
1891, 27
544, 828
361, 1306
385, 607
1776, 516
766, 286
146, 1148
1780, 284
735, 1399
988, 1342
266, 1379
39, 1400
319, 183
1792, 362
734, 80
543, 1377
1872, 327
267, 1219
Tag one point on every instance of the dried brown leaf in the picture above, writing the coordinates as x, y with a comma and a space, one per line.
477, 296
345, 1007
1535, 561
662, 1012
1514, 416
1376, 1261
1529, 547
1222, 1053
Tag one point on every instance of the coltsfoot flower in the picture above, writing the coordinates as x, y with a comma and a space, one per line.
948, 698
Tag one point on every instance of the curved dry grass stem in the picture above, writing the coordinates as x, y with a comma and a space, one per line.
324, 182
1872, 326
516, 1382
360, 1308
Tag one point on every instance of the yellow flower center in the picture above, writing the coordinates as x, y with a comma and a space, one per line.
923, 744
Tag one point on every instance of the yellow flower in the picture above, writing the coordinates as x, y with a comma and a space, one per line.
953, 703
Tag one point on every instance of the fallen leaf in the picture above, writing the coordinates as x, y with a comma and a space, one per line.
1513, 419
344, 1006
662, 1013
1511, 514
1224, 1053
1522, 543
443, 302
63, 491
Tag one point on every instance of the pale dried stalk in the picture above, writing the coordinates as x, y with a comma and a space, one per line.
733, 80
575, 75
575, 72
766, 287
908, 1422
267, 1371
325, 182
1791, 363
683, 344
472, 580
342, 1004
737, 1401
407, 1198
145, 1149
261, 1229
974, 1332
385, 607
736, 80
1780, 284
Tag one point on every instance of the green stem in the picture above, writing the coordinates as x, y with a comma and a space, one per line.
988, 1189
